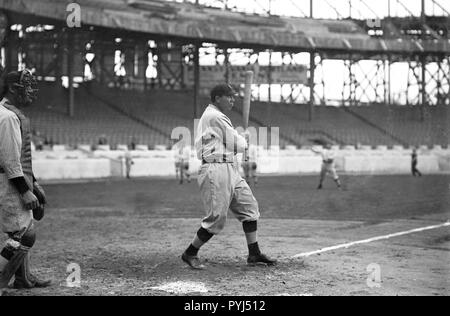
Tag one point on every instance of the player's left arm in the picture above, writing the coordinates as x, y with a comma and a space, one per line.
231, 138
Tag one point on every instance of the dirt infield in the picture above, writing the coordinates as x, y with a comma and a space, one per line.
127, 238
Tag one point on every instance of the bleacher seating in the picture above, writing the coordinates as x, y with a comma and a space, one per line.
92, 120
405, 123
148, 118
331, 123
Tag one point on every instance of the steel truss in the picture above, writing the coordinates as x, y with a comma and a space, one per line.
428, 80
371, 88
62, 52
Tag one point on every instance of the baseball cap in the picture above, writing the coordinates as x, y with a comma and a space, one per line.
13, 77
222, 90
9, 79
17, 77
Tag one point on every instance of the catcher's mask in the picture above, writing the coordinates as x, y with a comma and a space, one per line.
24, 84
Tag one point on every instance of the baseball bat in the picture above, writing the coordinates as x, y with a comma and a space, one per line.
246, 106
247, 97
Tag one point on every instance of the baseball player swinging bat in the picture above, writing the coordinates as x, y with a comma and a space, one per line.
246, 106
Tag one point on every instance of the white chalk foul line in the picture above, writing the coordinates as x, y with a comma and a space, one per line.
366, 241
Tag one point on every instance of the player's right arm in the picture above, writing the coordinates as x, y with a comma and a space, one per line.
10, 153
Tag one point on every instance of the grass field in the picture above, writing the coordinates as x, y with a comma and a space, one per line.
127, 238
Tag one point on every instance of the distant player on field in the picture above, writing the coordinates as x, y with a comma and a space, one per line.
177, 157
185, 156
414, 162
128, 163
182, 157
221, 186
328, 165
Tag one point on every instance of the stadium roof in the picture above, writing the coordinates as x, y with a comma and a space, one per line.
191, 22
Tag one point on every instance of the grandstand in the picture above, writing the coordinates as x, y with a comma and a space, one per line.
92, 120
150, 117
177, 34
404, 123
330, 123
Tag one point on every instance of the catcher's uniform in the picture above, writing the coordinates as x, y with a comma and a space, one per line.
221, 185
15, 161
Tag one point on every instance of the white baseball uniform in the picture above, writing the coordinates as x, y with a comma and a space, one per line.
221, 185
328, 163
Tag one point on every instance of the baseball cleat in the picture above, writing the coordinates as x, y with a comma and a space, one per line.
319, 187
260, 259
33, 282
192, 261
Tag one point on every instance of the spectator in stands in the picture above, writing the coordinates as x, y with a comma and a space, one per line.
48, 142
133, 143
37, 140
39, 145
102, 140
414, 162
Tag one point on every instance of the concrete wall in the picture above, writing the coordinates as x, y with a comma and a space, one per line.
50, 169
444, 162
389, 164
104, 164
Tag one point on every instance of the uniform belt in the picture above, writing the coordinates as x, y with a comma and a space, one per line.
328, 161
204, 162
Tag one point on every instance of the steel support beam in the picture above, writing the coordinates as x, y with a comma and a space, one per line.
312, 84
70, 73
197, 80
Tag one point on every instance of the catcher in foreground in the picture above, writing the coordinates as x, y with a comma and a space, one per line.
22, 199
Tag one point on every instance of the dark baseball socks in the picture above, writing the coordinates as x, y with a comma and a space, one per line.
250, 230
201, 238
